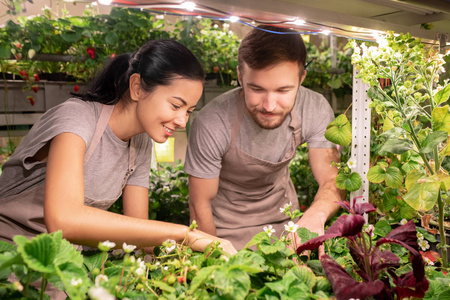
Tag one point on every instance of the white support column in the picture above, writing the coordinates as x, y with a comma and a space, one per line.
361, 122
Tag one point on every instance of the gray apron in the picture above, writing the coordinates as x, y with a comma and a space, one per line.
251, 191
24, 213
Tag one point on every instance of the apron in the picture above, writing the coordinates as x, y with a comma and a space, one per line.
24, 213
251, 191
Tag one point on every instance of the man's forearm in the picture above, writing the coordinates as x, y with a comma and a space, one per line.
203, 217
325, 203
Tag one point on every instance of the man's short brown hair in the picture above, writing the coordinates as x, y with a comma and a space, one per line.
261, 48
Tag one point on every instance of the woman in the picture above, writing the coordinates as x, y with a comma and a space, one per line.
81, 155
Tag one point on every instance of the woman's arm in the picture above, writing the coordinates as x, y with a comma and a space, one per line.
64, 208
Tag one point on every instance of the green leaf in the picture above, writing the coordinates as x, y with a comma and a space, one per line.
38, 253
70, 36
389, 202
335, 82
305, 234
7, 247
92, 259
254, 262
443, 95
339, 131
164, 286
423, 196
432, 140
233, 282
111, 38
257, 239
63, 279
350, 182
202, 276
267, 248
5, 52
66, 252
304, 274
382, 228
440, 119
394, 177
397, 146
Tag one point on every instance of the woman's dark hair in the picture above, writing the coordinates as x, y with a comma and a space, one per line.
266, 45
157, 62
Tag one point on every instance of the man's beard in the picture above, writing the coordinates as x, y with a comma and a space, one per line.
265, 123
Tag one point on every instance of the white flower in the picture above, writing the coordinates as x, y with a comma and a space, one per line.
106, 245
100, 293
403, 222
157, 263
233, 83
269, 230
139, 271
128, 248
140, 263
351, 163
420, 236
286, 207
117, 252
100, 279
76, 282
166, 268
424, 245
18, 286
291, 227
428, 261
170, 245
166, 188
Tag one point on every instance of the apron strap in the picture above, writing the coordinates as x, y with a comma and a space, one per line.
237, 121
99, 129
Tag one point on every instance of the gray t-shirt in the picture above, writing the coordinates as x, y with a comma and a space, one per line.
105, 170
210, 134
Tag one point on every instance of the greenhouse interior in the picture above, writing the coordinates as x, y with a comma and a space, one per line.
241, 149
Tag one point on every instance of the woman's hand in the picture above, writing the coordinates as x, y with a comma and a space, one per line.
198, 241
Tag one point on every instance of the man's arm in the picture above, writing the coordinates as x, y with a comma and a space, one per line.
324, 205
201, 193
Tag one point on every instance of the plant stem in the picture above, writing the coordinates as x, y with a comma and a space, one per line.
442, 231
416, 141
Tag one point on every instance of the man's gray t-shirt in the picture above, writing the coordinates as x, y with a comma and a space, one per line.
210, 134
105, 170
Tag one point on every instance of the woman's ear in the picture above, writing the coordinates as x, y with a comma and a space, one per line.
135, 87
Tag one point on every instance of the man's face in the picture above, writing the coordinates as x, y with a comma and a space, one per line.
270, 93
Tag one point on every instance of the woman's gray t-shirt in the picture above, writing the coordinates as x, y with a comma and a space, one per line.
105, 170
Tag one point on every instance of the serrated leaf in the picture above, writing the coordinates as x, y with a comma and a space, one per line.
443, 95
394, 177
253, 261
305, 234
233, 282
432, 140
202, 276
92, 259
7, 247
304, 274
339, 131
164, 286
397, 146
38, 253
257, 239
382, 228
440, 119
350, 182
267, 248
63, 279
423, 196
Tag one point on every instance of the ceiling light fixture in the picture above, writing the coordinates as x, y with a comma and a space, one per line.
188, 5
234, 19
105, 2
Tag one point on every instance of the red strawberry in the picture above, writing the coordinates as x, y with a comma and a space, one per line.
113, 55
24, 74
76, 88
181, 279
18, 45
216, 69
35, 88
91, 52
31, 99
36, 77
18, 56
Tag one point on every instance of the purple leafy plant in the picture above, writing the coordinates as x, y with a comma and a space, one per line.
375, 266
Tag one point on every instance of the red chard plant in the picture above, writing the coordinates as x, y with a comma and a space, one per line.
375, 264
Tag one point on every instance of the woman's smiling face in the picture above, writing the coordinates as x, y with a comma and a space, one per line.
167, 108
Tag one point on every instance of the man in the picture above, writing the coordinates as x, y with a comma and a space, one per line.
241, 143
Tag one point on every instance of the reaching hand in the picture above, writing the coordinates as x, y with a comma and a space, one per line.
198, 241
